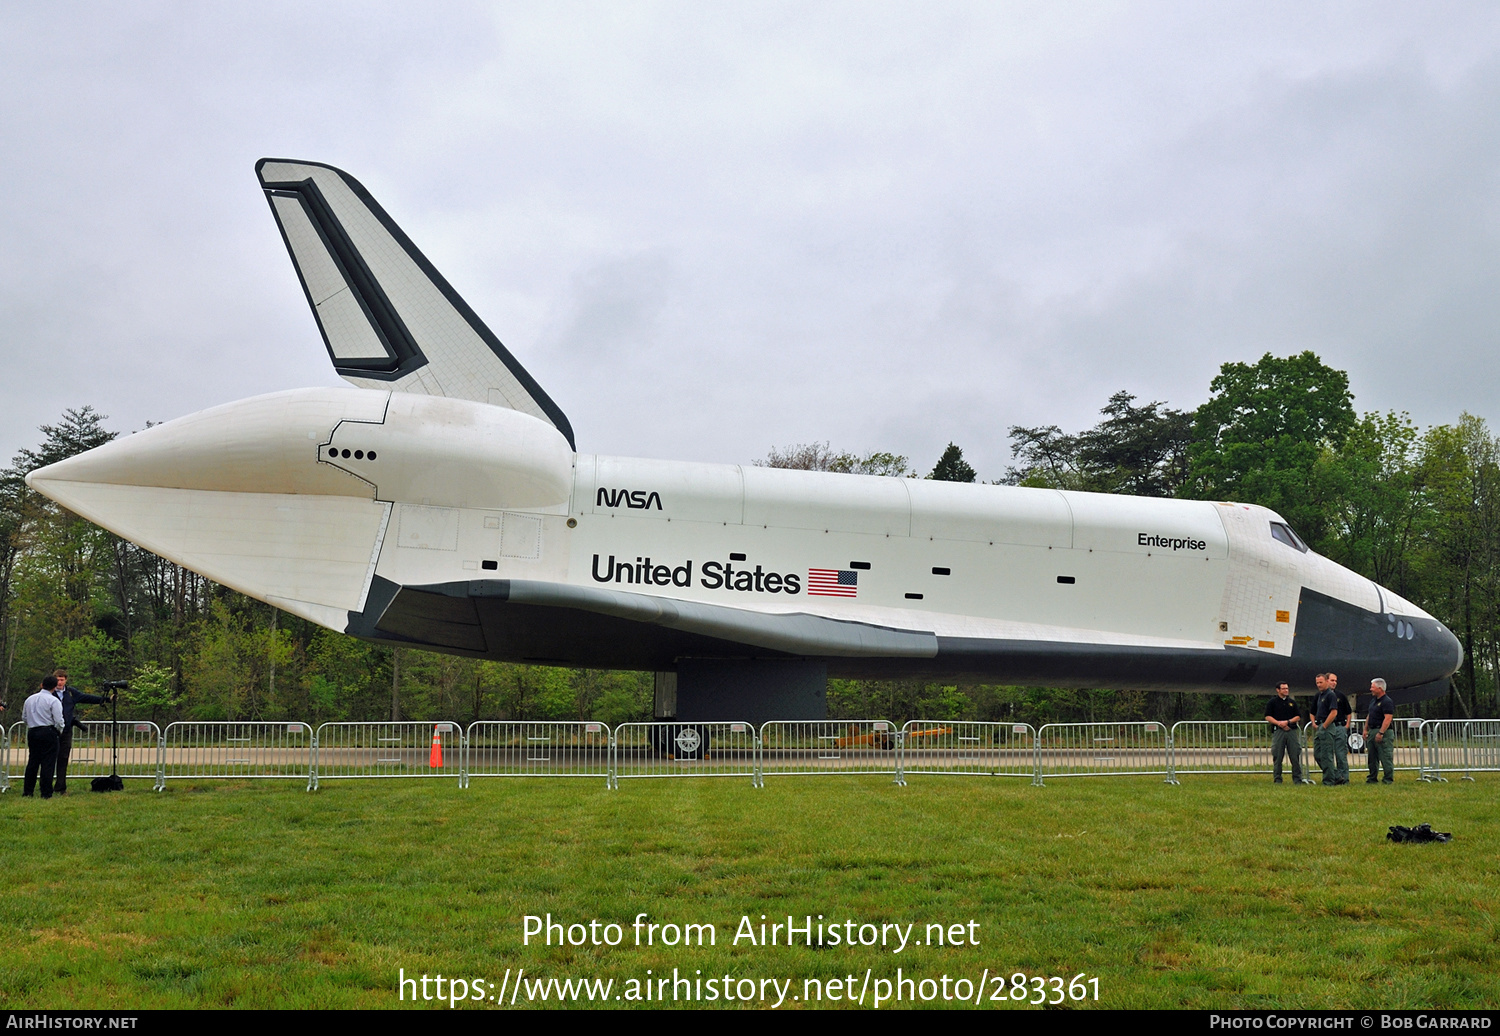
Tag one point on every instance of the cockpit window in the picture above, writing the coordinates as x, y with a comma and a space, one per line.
1285, 534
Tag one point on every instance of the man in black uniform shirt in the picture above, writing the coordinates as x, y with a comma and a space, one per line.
1326, 712
1380, 733
1284, 715
1340, 730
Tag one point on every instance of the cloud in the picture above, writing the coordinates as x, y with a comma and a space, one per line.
707, 231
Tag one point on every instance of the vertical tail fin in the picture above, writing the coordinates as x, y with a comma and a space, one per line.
389, 319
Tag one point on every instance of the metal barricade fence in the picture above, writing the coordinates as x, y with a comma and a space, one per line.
1103, 749
1483, 745
17, 737
830, 746
138, 749
1456, 745
973, 748
499, 748
1444, 747
684, 748
405, 749
139, 746
235, 749
1408, 755
1226, 746
1408, 734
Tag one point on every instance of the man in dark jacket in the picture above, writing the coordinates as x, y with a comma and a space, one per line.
70, 699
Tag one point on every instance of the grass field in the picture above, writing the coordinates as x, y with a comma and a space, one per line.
1223, 892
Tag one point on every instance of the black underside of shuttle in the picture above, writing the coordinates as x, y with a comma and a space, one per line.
493, 619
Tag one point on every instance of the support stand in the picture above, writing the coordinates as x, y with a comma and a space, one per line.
756, 690
113, 781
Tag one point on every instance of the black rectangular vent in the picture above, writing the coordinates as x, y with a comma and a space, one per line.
1065, 579
864, 565
913, 597
736, 557
489, 566
942, 571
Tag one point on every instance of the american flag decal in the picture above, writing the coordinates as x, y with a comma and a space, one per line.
832, 582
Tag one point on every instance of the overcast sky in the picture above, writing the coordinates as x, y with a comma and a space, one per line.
710, 229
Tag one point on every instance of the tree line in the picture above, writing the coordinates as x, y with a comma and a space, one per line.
1415, 510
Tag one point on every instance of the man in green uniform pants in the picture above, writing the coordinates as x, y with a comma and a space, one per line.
1286, 736
1327, 711
1380, 733
1340, 730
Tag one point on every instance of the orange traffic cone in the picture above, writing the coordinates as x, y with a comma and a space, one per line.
435, 759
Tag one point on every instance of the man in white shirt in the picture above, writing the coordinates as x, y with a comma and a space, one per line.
44, 726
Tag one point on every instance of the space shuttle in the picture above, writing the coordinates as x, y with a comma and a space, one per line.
440, 502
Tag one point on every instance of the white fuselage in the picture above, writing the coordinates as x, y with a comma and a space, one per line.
441, 503
436, 492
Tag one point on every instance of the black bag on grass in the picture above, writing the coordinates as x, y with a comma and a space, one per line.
1420, 833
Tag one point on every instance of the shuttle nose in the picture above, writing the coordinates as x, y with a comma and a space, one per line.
1401, 644
237, 494
1437, 654
268, 444
1449, 650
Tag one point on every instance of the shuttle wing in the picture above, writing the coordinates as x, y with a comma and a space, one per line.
389, 319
